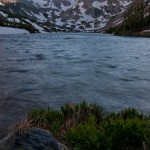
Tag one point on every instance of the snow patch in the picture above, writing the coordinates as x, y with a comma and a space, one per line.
2, 4
8, 30
125, 3
144, 31
39, 3
118, 22
72, 4
3, 14
97, 4
26, 12
40, 17
13, 20
147, 14
59, 22
41, 30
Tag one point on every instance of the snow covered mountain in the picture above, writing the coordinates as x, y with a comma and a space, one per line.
61, 15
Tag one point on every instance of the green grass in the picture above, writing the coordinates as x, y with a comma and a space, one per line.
85, 127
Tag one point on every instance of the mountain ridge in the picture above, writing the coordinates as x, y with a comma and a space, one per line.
61, 15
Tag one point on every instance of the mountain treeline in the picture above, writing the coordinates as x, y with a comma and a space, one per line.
20, 25
136, 20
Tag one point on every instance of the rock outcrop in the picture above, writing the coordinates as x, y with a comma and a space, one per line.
35, 139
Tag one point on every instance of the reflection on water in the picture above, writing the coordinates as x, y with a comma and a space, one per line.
39, 70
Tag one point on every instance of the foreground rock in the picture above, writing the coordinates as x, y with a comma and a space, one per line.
35, 139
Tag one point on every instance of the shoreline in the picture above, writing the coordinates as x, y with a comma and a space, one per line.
74, 124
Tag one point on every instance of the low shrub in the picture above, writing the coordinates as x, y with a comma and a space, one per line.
113, 134
120, 134
80, 112
85, 127
47, 118
84, 135
128, 113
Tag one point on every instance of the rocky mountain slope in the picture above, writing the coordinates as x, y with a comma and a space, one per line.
134, 21
60, 15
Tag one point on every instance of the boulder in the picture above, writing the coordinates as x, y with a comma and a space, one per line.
35, 139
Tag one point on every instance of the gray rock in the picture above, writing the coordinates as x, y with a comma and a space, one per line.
35, 139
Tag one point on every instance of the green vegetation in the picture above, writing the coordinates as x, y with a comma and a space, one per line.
136, 19
86, 127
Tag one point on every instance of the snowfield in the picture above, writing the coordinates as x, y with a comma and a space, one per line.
8, 30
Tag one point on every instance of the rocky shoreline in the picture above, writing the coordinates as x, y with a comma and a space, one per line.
80, 127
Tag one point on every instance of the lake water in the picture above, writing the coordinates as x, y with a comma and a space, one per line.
51, 69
